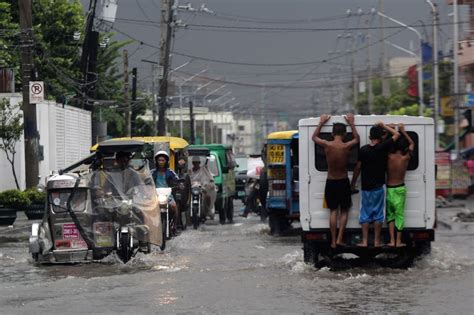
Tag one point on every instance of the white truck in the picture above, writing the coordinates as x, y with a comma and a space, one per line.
420, 202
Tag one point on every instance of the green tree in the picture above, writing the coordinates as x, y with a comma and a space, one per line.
9, 36
11, 130
56, 55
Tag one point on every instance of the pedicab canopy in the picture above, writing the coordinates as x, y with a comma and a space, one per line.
174, 144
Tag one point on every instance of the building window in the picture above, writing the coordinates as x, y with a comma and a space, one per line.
241, 128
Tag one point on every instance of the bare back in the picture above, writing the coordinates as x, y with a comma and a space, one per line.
337, 157
396, 168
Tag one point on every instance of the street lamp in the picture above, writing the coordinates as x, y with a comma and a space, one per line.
434, 12
181, 100
420, 60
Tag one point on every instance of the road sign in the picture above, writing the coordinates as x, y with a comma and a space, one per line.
36, 92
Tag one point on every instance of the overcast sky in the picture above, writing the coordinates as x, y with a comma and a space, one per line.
255, 44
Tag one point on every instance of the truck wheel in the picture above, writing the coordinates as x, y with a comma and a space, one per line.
310, 253
274, 223
422, 249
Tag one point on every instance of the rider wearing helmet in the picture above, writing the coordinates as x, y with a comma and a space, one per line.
164, 177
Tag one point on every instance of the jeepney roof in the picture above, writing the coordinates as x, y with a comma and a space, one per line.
282, 135
175, 142
368, 120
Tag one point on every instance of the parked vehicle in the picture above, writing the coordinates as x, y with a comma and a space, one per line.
420, 201
224, 179
100, 210
283, 182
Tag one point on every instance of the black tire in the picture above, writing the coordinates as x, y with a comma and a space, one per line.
195, 218
220, 208
274, 224
125, 252
165, 226
422, 249
163, 243
184, 220
310, 253
230, 210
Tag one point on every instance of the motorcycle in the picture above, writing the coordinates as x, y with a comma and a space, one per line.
196, 203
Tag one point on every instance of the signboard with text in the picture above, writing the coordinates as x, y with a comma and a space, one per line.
36, 92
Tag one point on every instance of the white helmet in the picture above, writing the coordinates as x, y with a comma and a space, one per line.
162, 153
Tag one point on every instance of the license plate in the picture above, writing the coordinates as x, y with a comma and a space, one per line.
276, 154
70, 231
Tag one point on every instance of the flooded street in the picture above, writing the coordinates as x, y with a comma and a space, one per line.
237, 268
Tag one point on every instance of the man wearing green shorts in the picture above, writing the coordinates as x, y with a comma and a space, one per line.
398, 158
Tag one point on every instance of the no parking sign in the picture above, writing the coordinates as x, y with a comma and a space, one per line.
36, 92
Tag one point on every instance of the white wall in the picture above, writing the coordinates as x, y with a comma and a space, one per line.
65, 134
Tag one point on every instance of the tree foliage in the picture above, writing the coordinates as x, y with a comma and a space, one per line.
11, 130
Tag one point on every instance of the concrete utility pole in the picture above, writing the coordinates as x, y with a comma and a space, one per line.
434, 12
126, 100
29, 110
383, 62
370, 90
134, 102
192, 137
165, 44
456, 77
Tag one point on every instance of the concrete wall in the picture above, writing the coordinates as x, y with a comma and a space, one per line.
65, 134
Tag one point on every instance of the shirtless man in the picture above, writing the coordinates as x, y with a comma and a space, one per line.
398, 158
338, 189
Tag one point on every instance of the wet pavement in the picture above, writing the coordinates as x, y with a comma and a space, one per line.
239, 269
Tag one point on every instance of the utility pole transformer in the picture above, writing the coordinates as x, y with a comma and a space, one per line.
29, 110
165, 45
126, 99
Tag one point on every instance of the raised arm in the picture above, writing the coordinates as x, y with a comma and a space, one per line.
392, 131
322, 120
350, 120
411, 146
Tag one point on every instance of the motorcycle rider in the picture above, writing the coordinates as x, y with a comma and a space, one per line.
204, 176
164, 177
183, 202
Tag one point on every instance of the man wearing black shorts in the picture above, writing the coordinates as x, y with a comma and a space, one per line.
338, 188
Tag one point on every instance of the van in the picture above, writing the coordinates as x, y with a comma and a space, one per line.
419, 179
224, 178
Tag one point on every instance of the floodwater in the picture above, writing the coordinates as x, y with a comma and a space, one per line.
237, 269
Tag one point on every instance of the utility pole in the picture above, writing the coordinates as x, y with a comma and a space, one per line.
434, 11
134, 102
29, 110
383, 64
369, 65
165, 45
126, 100
191, 123
153, 91
456, 77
